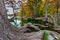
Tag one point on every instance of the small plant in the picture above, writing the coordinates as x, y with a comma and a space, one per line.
45, 36
22, 23
16, 23
29, 19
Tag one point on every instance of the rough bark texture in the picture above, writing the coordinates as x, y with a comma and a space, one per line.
7, 31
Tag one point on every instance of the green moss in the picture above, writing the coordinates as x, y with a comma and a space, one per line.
45, 36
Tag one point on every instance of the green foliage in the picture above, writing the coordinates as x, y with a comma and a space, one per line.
45, 36
29, 19
59, 22
15, 24
37, 5
34, 21
40, 12
23, 22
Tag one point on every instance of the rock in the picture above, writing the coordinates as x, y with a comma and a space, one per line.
50, 37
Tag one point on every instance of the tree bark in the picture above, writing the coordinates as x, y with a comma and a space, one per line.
7, 31
3, 21
47, 1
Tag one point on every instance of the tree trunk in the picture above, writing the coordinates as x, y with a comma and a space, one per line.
4, 24
35, 8
47, 9
7, 31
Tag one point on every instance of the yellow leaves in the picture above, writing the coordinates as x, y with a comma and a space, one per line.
28, 12
53, 5
19, 14
53, 11
50, 0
